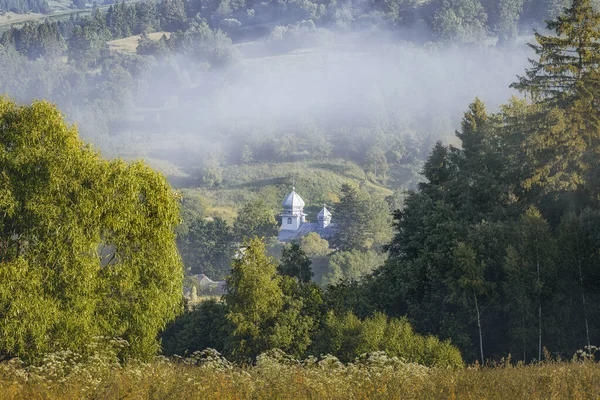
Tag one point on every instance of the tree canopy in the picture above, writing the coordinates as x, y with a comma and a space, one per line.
87, 246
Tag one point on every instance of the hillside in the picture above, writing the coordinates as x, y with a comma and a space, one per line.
318, 182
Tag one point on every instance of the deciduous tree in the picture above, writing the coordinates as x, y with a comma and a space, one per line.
90, 243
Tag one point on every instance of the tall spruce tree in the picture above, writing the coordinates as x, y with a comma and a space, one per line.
565, 82
350, 219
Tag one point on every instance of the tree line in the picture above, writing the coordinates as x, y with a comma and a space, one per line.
24, 7
271, 305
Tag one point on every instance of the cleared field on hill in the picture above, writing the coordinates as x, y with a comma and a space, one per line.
318, 182
129, 44
13, 18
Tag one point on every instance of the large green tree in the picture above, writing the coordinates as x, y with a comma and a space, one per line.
565, 83
87, 246
254, 299
267, 310
351, 220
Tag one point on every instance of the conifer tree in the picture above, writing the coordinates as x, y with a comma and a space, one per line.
565, 82
471, 126
350, 220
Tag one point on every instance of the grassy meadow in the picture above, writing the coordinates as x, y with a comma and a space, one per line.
215, 378
318, 183
129, 44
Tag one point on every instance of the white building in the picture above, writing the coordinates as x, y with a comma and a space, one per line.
293, 212
294, 224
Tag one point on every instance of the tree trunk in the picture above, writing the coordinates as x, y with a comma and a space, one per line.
524, 340
540, 332
539, 311
585, 317
479, 326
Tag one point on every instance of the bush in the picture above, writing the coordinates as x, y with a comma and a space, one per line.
205, 326
347, 337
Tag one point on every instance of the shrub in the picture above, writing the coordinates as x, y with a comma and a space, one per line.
347, 337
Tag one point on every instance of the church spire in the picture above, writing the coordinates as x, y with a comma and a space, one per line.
324, 217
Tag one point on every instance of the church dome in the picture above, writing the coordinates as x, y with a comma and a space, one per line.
324, 214
293, 201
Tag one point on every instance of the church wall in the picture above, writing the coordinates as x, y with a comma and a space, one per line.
290, 222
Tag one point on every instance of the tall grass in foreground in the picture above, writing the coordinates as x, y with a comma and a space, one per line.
207, 375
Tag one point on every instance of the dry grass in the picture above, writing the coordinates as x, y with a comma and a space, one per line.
129, 44
11, 17
272, 379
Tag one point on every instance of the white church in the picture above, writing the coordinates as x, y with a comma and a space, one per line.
294, 224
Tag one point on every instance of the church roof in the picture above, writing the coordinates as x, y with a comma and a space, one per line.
305, 229
293, 201
324, 213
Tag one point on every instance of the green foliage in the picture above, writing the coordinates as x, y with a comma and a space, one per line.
92, 239
352, 265
460, 21
201, 43
205, 326
208, 247
347, 337
578, 237
531, 278
36, 40
254, 300
256, 219
193, 207
564, 83
362, 220
295, 263
314, 245
173, 17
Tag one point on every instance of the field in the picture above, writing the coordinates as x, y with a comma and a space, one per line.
129, 44
275, 378
12, 18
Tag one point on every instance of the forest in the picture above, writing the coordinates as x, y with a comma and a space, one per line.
456, 143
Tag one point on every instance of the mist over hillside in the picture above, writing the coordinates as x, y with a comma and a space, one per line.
347, 80
193, 85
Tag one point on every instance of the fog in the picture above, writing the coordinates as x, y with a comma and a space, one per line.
332, 81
